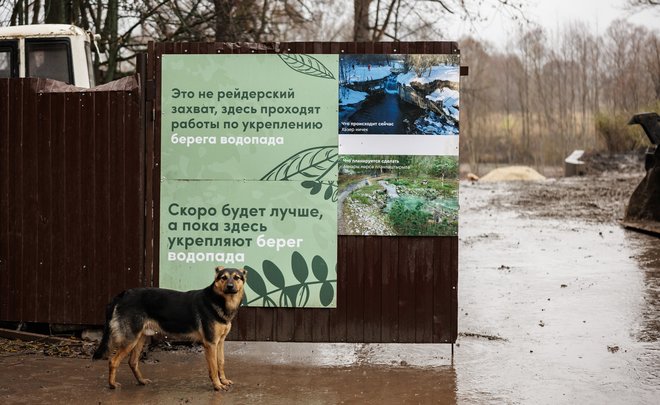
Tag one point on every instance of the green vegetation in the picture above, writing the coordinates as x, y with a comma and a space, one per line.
427, 188
420, 186
445, 166
410, 219
363, 195
617, 135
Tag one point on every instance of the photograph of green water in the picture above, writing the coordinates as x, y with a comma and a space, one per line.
402, 195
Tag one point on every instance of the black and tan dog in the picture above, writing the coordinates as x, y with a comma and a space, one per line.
201, 315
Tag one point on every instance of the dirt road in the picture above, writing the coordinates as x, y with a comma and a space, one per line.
557, 304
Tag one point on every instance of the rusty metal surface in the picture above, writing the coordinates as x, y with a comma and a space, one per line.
72, 195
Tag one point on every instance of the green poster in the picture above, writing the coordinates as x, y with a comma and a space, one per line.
235, 117
249, 174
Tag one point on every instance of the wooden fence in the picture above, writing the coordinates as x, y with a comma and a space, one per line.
79, 215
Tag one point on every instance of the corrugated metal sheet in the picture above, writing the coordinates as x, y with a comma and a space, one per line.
79, 198
390, 289
71, 198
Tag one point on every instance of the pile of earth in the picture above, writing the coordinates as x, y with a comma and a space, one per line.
513, 173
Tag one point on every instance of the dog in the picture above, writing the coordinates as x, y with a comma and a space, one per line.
200, 315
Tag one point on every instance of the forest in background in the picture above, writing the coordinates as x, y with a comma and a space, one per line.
532, 100
549, 94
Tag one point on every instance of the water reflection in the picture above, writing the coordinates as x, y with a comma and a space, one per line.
648, 257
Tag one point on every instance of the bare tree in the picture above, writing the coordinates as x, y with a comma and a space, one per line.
476, 101
652, 61
126, 27
643, 4
378, 20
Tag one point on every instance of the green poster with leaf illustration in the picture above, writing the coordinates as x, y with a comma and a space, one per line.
235, 117
249, 174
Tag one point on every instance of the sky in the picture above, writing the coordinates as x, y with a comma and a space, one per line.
553, 15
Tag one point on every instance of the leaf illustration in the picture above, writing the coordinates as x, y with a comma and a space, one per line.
327, 294
299, 267
319, 268
268, 302
307, 65
328, 192
314, 163
303, 296
273, 274
315, 186
288, 296
255, 282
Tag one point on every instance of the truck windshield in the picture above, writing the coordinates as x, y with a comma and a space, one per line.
50, 59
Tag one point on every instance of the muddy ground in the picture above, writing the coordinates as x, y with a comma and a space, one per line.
557, 304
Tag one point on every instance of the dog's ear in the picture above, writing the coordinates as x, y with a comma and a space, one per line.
218, 270
244, 272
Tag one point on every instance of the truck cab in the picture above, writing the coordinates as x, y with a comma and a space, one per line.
54, 51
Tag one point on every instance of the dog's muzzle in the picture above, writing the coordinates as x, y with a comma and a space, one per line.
230, 289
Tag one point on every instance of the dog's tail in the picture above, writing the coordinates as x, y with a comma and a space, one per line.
103, 348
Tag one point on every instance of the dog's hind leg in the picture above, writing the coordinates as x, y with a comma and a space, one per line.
114, 363
115, 360
134, 360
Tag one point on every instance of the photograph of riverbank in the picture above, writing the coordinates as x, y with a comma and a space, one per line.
399, 94
398, 195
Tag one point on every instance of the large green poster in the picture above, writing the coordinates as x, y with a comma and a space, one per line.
249, 174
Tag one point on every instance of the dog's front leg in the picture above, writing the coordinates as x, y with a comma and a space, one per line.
211, 352
221, 363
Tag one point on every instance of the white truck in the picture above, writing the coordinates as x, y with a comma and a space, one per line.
55, 51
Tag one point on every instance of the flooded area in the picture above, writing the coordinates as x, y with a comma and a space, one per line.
572, 299
557, 304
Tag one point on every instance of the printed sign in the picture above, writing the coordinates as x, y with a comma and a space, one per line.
249, 174
398, 127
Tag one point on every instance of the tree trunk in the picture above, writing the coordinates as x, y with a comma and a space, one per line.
55, 11
223, 23
111, 35
361, 20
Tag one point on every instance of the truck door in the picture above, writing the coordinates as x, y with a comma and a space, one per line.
8, 59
